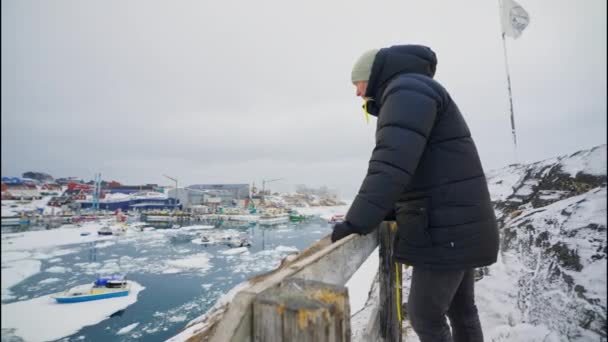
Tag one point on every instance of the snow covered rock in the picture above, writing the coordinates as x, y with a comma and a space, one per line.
552, 219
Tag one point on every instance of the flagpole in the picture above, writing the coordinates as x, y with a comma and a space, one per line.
504, 48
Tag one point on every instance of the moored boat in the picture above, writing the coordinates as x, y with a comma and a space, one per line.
105, 231
338, 218
270, 219
107, 287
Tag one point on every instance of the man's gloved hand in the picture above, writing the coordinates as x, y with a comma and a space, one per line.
341, 230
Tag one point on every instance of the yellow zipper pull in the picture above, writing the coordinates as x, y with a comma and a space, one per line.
366, 113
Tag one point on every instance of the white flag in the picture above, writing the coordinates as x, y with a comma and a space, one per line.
514, 18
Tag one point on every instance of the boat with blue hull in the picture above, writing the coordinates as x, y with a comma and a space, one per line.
102, 288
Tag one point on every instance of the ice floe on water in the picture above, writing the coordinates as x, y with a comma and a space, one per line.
127, 329
260, 261
43, 319
233, 251
197, 227
15, 272
200, 262
56, 269
49, 281
286, 249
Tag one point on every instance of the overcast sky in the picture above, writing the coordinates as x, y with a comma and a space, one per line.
240, 91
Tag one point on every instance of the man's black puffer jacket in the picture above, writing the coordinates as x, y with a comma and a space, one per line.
425, 167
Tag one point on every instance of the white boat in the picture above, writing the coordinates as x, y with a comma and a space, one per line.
108, 287
338, 218
270, 219
105, 230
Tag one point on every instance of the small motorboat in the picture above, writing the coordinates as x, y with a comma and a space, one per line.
338, 218
242, 242
85, 233
105, 231
107, 287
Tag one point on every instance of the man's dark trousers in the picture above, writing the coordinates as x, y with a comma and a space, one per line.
435, 294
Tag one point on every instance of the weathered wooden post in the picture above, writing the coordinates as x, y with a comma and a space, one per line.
302, 311
390, 289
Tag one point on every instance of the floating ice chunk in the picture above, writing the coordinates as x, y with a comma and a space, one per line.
105, 244
197, 261
16, 271
127, 329
49, 281
178, 318
286, 249
56, 269
234, 251
197, 227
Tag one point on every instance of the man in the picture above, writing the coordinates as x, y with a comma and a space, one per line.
425, 173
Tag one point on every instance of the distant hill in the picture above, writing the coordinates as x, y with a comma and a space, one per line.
39, 176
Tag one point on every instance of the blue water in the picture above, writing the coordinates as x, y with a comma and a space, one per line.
170, 300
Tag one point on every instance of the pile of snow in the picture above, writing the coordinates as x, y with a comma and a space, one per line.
552, 270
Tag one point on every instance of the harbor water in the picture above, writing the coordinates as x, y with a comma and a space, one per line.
182, 275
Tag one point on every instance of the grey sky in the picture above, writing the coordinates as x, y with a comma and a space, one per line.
227, 91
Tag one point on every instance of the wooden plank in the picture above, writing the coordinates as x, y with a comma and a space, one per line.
302, 311
389, 292
319, 262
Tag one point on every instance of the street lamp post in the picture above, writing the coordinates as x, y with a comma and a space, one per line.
175, 180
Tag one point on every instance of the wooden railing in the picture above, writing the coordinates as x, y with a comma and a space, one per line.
305, 298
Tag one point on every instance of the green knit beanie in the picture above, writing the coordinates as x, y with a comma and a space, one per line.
363, 66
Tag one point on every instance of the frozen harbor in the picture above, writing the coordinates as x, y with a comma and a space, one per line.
179, 274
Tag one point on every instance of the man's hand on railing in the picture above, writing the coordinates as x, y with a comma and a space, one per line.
341, 230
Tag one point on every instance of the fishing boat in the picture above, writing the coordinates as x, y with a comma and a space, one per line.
106, 287
271, 218
296, 217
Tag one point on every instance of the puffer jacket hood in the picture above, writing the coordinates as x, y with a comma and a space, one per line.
396, 60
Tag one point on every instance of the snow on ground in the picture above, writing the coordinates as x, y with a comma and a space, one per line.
591, 162
33, 205
53, 321
361, 281
501, 182
39, 239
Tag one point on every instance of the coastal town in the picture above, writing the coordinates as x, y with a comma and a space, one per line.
42, 201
